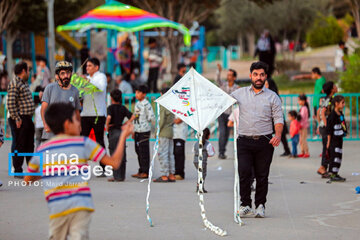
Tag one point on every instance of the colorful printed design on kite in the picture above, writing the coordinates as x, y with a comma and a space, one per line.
183, 94
187, 114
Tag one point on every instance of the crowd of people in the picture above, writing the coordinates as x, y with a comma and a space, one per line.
61, 117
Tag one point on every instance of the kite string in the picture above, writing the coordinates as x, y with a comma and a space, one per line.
237, 218
156, 147
96, 112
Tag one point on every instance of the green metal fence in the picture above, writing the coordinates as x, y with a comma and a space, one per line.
289, 101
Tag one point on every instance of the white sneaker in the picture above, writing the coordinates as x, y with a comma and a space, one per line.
260, 211
245, 211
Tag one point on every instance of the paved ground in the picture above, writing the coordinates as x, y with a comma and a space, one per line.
321, 57
312, 210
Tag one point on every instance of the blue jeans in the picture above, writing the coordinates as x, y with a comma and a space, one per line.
294, 143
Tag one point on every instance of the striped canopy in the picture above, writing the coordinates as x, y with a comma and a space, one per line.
121, 17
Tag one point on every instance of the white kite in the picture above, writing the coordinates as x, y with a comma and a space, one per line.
198, 102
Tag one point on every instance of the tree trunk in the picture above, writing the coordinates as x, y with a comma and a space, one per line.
10, 38
241, 44
173, 44
51, 43
355, 12
250, 36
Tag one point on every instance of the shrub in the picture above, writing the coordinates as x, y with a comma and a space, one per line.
350, 79
324, 31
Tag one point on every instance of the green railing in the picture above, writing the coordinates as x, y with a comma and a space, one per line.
289, 101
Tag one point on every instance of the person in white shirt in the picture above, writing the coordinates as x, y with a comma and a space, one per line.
339, 57
93, 115
126, 88
39, 124
143, 116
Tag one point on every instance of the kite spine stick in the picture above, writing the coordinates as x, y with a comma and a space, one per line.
156, 147
237, 218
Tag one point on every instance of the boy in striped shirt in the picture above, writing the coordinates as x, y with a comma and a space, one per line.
65, 171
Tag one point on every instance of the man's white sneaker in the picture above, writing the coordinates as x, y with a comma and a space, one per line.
260, 211
245, 211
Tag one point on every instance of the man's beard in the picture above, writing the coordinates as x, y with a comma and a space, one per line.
65, 82
258, 86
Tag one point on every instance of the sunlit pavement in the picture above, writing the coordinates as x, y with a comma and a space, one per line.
300, 204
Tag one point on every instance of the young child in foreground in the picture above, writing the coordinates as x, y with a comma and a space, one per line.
66, 188
336, 130
208, 151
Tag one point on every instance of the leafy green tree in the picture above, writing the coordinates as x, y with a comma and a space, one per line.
31, 16
325, 31
350, 79
285, 18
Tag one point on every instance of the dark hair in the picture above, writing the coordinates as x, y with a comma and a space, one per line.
142, 88
233, 72
94, 61
327, 87
206, 135
164, 90
341, 43
116, 94
338, 98
180, 66
151, 40
19, 67
56, 114
40, 58
37, 98
108, 74
304, 98
316, 70
259, 65
294, 114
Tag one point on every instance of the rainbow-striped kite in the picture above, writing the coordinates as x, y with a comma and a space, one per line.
121, 17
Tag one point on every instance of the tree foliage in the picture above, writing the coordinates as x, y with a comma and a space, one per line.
31, 15
350, 79
282, 17
8, 8
324, 31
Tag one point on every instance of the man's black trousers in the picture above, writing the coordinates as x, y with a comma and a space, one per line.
257, 155
23, 140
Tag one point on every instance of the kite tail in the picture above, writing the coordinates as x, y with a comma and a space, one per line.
206, 222
237, 218
96, 112
156, 147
